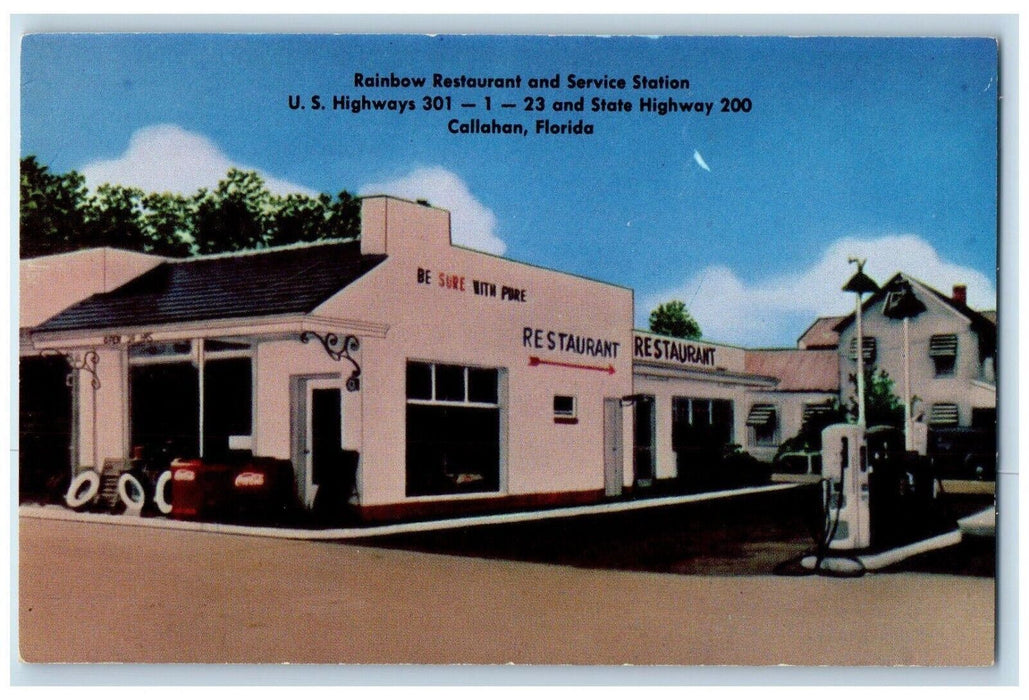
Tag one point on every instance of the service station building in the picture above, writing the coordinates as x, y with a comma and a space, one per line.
453, 380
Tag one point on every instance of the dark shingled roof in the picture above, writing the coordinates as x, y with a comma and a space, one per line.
282, 281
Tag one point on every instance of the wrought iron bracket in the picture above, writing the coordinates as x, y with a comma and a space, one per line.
339, 349
86, 362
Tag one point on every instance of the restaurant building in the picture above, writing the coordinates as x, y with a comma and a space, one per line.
450, 379
459, 380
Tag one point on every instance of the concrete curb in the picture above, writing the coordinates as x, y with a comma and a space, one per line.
857, 564
350, 533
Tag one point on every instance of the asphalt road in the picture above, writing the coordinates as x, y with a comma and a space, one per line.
750, 535
102, 593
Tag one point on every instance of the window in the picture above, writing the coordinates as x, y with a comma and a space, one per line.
868, 347
173, 349
816, 411
763, 425
165, 398
701, 424
943, 415
943, 349
565, 410
453, 429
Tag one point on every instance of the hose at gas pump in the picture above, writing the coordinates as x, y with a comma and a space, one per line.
793, 566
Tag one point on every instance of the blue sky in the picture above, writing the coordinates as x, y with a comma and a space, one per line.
885, 148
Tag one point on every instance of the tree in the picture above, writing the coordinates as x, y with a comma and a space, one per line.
234, 216
882, 407
114, 218
52, 209
59, 214
168, 224
672, 318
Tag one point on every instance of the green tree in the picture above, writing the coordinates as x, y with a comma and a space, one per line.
672, 318
114, 218
168, 220
234, 216
59, 214
52, 209
882, 406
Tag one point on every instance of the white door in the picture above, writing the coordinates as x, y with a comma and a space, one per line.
612, 447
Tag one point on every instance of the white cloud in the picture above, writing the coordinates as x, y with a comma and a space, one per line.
473, 224
167, 158
776, 311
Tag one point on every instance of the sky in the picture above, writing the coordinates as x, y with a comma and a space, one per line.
829, 148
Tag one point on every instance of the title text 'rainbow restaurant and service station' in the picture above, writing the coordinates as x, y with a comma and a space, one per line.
446, 380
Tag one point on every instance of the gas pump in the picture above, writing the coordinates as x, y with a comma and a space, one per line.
875, 494
845, 488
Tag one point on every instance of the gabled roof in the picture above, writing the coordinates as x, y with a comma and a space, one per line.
820, 335
980, 323
278, 281
797, 370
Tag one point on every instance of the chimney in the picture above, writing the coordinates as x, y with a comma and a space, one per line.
960, 294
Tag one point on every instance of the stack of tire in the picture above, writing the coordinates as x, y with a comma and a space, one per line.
137, 490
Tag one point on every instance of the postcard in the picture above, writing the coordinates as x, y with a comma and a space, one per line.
400, 348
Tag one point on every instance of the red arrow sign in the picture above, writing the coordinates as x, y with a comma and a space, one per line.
535, 361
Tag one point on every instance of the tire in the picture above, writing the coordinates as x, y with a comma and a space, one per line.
163, 504
131, 492
83, 490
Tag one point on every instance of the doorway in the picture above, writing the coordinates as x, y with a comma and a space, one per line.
45, 422
318, 434
644, 429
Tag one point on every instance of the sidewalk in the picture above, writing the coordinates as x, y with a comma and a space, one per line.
348, 533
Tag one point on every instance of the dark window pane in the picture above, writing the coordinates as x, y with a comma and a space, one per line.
212, 345
228, 387
482, 385
564, 405
449, 383
452, 449
165, 399
181, 347
419, 380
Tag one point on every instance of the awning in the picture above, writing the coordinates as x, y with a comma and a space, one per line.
868, 349
943, 346
761, 414
943, 414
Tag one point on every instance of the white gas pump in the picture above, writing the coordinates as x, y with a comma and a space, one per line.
845, 469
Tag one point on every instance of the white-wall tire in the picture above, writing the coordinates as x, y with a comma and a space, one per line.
163, 504
131, 492
83, 490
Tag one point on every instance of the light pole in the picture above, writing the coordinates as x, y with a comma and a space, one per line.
860, 284
903, 304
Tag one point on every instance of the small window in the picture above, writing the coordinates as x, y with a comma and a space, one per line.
450, 383
943, 349
482, 385
179, 347
867, 346
763, 425
564, 409
215, 345
419, 380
